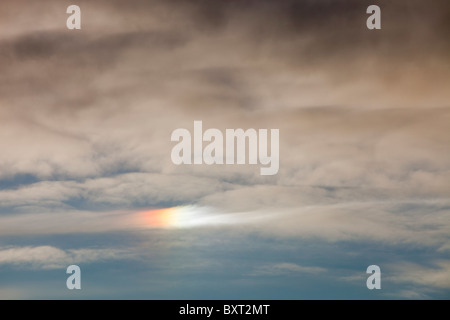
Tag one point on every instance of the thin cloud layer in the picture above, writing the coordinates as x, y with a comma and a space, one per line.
284, 269
48, 257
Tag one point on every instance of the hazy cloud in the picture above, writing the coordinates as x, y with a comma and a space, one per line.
285, 268
48, 257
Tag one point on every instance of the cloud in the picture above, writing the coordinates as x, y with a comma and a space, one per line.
284, 268
394, 223
410, 294
67, 222
84, 104
10, 293
119, 191
436, 275
48, 257
445, 248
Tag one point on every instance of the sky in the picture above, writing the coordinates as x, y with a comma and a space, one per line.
86, 175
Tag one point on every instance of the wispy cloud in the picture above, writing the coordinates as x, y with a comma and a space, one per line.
434, 275
285, 268
383, 221
48, 257
10, 293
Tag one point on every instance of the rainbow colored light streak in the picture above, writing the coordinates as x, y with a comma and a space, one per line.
174, 217
192, 216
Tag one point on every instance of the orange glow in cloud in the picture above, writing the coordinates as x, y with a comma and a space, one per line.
189, 216
158, 218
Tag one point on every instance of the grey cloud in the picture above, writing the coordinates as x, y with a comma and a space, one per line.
285, 268
122, 191
48, 257
435, 275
